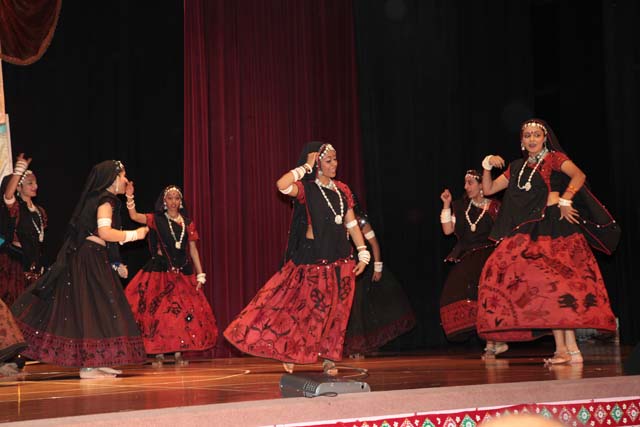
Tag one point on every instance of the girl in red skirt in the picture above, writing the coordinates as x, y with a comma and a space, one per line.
543, 276
300, 315
166, 298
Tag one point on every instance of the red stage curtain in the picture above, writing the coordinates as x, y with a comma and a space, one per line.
261, 79
26, 28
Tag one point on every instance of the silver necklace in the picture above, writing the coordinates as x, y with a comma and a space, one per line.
539, 157
173, 234
39, 230
332, 186
481, 205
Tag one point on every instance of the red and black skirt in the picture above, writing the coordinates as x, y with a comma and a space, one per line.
542, 277
299, 316
12, 280
171, 314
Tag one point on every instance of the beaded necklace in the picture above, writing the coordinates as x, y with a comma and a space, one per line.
538, 159
180, 221
332, 186
481, 205
40, 229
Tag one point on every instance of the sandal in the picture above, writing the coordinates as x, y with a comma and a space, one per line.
329, 368
9, 369
288, 367
94, 373
110, 371
179, 361
559, 358
159, 361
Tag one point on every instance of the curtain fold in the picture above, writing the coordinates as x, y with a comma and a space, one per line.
261, 79
26, 29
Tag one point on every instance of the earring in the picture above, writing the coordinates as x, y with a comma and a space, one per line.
164, 204
522, 147
320, 172
181, 207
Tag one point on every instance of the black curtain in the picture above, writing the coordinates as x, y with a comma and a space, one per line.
443, 83
110, 86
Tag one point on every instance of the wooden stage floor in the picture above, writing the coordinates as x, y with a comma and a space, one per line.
45, 391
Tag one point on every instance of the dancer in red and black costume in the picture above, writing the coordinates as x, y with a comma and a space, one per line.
471, 219
76, 314
381, 310
542, 275
166, 298
23, 226
300, 315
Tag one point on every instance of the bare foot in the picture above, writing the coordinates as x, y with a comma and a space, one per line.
288, 367
559, 358
576, 357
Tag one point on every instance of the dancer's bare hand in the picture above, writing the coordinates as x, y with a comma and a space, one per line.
311, 158
359, 268
142, 232
569, 213
21, 157
123, 271
129, 189
377, 275
446, 197
497, 162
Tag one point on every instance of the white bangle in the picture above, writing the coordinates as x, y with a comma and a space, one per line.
104, 222
298, 173
445, 216
308, 167
564, 202
20, 167
287, 190
351, 224
369, 235
201, 278
361, 248
485, 163
377, 266
129, 236
10, 201
364, 256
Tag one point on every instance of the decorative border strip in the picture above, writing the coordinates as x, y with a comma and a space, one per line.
616, 412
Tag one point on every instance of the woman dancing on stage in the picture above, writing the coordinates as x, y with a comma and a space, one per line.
543, 275
381, 310
23, 225
471, 221
171, 312
301, 313
76, 314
